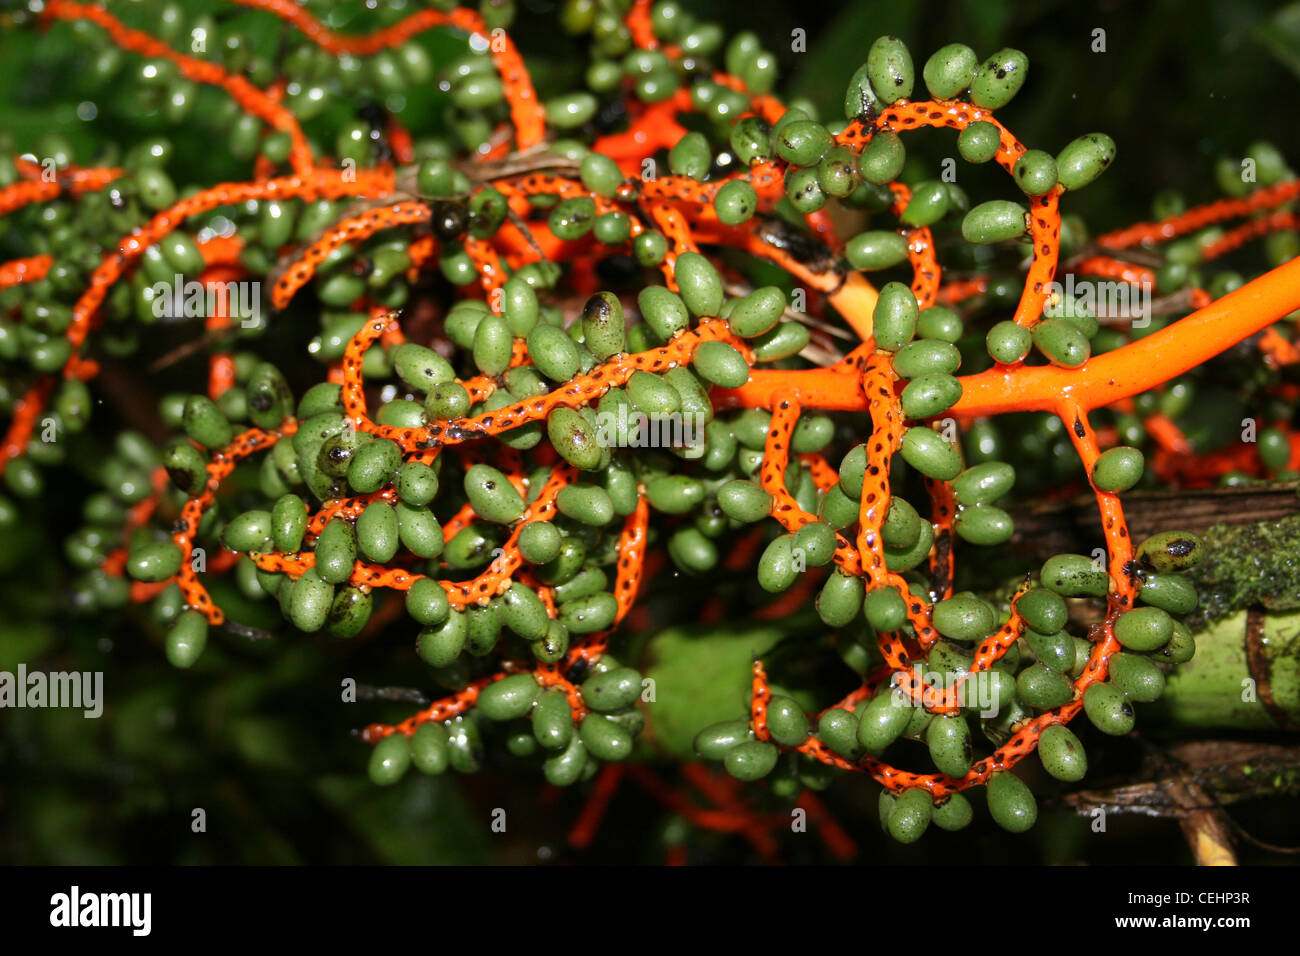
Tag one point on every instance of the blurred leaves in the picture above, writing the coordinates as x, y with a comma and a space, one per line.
1280, 35
701, 677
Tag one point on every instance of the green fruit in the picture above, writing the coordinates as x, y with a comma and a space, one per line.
804, 190
493, 345
1042, 687
509, 698
860, 100
744, 501
802, 142
751, 760
885, 609
1011, 804
894, 318
691, 156
1074, 575
984, 483
735, 203
1035, 172
570, 110
787, 722
418, 530
664, 311
953, 814
588, 504
939, 322
929, 203
978, 142
929, 395
373, 465
1009, 342
875, 250
1043, 610
964, 618
788, 338
838, 729
554, 353
564, 768
250, 531
600, 174
1084, 159
205, 424
336, 551
1171, 551
539, 542
420, 367
884, 719
492, 495
721, 365
186, 639
156, 561
269, 399
524, 613
997, 220
603, 325
377, 532
1138, 677
816, 542
439, 645
605, 739
1061, 754
464, 745
390, 759
1144, 629
1109, 709
926, 357
1118, 469
950, 70
713, 742
426, 602
429, 748
574, 438
910, 815
612, 690
777, 568
699, 285
883, 158
889, 68
840, 599
757, 313
552, 720
998, 79
950, 745
589, 614
310, 601
983, 524
1170, 592
1061, 342
929, 454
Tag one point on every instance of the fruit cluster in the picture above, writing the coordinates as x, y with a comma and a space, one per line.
556, 332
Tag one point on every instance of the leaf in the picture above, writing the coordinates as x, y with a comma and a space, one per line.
1281, 37
701, 677
823, 72
420, 821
